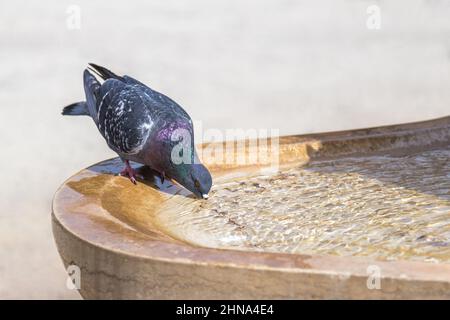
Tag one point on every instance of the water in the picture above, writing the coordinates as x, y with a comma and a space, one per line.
384, 207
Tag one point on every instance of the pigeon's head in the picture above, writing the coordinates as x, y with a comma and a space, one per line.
174, 153
194, 177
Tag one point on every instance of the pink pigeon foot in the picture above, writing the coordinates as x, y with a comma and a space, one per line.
129, 172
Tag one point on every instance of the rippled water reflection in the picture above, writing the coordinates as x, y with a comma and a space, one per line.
385, 207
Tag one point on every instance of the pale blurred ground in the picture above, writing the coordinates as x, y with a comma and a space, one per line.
300, 66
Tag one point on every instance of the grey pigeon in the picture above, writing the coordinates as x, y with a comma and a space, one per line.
145, 126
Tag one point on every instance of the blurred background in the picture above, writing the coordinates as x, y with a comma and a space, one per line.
297, 66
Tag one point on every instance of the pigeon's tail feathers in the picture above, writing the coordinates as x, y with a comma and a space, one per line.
76, 109
103, 72
88, 107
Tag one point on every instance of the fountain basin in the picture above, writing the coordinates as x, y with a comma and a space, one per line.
354, 214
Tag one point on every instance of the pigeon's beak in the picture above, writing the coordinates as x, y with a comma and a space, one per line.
205, 196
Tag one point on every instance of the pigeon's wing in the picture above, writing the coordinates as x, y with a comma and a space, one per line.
158, 97
91, 89
124, 117
103, 96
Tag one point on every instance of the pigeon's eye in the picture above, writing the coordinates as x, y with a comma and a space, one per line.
197, 184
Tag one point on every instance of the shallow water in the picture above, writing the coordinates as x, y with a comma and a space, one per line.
384, 207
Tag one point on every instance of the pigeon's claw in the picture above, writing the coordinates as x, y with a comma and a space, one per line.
129, 172
133, 180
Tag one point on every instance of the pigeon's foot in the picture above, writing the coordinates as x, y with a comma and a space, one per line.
162, 176
129, 172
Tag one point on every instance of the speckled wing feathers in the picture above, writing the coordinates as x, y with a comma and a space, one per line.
124, 117
158, 97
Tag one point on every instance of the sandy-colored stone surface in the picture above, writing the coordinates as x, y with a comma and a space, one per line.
293, 65
149, 240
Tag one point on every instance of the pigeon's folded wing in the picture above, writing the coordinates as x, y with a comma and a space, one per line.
158, 97
124, 117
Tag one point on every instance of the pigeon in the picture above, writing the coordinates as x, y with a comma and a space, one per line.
144, 126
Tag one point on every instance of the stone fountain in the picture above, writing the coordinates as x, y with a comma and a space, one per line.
353, 214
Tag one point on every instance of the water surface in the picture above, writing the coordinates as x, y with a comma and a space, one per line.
385, 207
